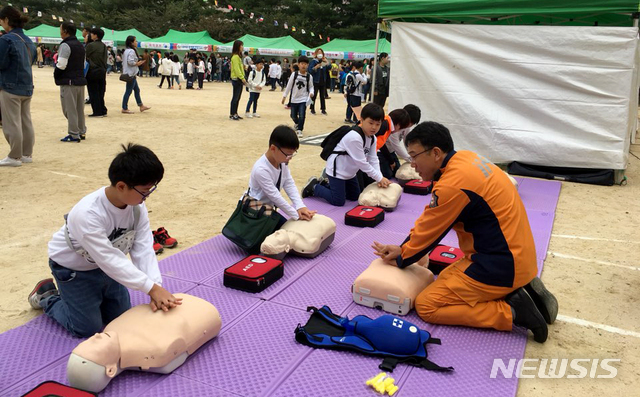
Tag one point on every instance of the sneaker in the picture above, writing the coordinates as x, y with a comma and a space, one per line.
325, 183
526, 314
27, 159
248, 115
162, 237
235, 117
299, 133
307, 191
70, 138
83, 137
347, 121
546, 303
256, 115
44, 289
96, 115
313, 112
324, 112
157, 247
9, 162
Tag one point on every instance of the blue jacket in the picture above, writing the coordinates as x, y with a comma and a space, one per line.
320, 75
16, 58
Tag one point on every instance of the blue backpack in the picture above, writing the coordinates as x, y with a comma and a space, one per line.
390, 337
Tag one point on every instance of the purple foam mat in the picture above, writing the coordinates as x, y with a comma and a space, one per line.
328, 283
176, 385
26, 350
55, 371
203, 260
541, 226
413, 203
450, 239
248, 357
540, 187
293, 268
170, 284
359, 249
230, 305
402, 222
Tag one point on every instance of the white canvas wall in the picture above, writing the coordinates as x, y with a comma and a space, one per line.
545, 95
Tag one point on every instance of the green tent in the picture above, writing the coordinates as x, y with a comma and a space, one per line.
360, 46
512, 12
278, 46
49, 34
120, 36
177, 37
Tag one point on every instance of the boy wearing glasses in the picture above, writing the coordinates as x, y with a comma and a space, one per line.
271, 172
87, 256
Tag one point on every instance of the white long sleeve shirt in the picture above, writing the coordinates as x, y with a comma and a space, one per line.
93, 223
361, 80
357, 158
262, 186
300, 93
395, 144
256, 79
273, 70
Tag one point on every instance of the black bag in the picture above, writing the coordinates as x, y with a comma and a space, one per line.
331, 141
579, 175
253, 273
126, 78
351, 84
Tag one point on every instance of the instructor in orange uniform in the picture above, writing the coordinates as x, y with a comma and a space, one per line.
495, 284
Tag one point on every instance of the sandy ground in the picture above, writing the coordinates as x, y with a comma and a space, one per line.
592, 268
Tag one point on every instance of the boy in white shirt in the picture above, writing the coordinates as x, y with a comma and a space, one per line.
87, 255
395, 143
271, 173
354, 83
201, 70
355, 151
256, 81
190, 73
273, 74
300, 90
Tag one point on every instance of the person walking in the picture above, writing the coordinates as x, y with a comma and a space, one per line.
97, 55
17, 52
130, 64
319, 68
69, 75
166, 67
237, 79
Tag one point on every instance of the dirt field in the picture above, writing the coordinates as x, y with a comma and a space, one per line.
592, 268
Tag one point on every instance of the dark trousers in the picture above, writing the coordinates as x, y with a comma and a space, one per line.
332, 85
168, 80
353, 101
385, 165
253, 99
298, 114
237, 93
96, 89
319, 89
339, 191
200, 80
380, 99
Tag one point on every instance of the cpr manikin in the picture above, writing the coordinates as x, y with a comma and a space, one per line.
406, 173
302, 238
390, 288
143, 340
375, 196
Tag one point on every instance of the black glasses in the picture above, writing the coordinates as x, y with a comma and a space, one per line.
147, 194
288, 156
413, 158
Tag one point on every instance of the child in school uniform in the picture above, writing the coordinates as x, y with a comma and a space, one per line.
299, 90
191, 66
201, 70
256, 81
271, 173
354, 84
359, 153
175, 72
87, 255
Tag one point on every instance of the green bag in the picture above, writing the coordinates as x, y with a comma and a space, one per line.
251, 223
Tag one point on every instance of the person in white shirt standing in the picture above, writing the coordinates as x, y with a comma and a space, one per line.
88, 254
175, 72
165, 70
300, 91
256, 81
354, 83
201, 70
271, 173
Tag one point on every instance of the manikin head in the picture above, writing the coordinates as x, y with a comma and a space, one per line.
276, 243
375, 196
94, 362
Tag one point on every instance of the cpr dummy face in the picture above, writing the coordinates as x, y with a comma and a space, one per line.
390, 288
406, 173
304, 238
141, 339
375, 196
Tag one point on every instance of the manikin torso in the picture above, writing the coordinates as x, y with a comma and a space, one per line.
141, 339
386, 198
301, 237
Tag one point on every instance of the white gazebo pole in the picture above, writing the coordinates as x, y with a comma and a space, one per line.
635, 130
375, 61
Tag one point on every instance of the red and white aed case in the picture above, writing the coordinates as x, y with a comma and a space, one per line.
364, 216
253, 273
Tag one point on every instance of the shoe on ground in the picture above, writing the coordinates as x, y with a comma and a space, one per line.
347, 121
235, 117
157, 247
256, 115
527, 314
96, 115
299, 133
70, 138
239, 118
324, 112
161, 236
313, 112
307, 191
248, 115
9, 162
83, 137
44, 289
27, 159
127, 111
546, 303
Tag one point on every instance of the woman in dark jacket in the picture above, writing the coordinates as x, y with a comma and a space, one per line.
319, 68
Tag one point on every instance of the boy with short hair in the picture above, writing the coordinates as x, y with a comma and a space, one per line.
256, 81
355, 151
271, 173
87, 255
395, 143
300, 90
354, 83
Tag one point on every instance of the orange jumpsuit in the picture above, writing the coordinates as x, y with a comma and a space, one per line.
477, 200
